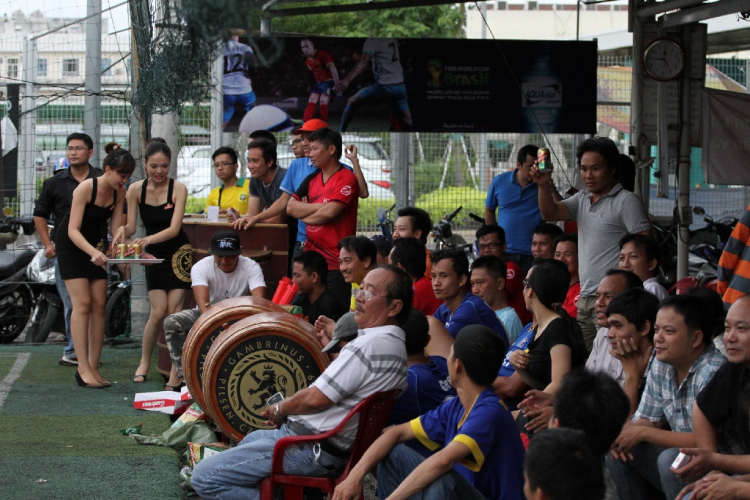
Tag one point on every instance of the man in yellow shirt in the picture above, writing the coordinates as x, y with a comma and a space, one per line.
233, 192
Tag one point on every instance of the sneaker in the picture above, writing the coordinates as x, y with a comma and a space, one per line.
66, 361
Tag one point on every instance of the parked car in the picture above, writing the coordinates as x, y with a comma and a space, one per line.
194, 169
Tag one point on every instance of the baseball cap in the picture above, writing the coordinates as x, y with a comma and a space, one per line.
346, 329
310, 126
225, 243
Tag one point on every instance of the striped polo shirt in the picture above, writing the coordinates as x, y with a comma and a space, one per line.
374, 362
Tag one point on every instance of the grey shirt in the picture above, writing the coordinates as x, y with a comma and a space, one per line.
270, 193
600, 227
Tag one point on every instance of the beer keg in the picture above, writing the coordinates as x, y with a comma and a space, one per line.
251, 361
205, 331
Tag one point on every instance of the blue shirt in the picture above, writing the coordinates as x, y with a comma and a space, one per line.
507, 369
518, 212
428, 388
471, 311
297, 172
495, 464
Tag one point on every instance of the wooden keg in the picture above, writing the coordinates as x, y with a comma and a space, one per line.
254, 359
205, 331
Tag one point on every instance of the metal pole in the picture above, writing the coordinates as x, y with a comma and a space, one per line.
27, 146
92, 113
483, 7
683, 167
401, 166
217, 107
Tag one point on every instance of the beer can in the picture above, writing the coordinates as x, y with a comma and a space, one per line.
136, 251
122, 249
544, 162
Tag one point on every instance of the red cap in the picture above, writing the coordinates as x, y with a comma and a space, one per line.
311, 126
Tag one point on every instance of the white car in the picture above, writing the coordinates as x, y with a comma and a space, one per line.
194, 169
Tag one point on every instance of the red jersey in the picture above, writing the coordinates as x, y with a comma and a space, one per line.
341, 187
424, 297
514, 292
571, 300
319, 65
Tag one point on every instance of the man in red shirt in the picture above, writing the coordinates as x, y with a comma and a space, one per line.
491, 241
321, 64
326, 202
409, 254
566, 251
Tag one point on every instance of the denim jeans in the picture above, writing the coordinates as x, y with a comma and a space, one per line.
238, 472
650, 465
69, 352
402, 460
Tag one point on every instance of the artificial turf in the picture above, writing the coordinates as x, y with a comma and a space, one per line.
58, 440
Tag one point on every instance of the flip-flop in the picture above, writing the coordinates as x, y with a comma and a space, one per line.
144, 377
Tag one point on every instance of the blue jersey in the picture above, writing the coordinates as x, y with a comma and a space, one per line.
507, 369
471, 311
495, 464
297, 172
518, 210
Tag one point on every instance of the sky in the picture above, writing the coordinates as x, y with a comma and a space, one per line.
68, 8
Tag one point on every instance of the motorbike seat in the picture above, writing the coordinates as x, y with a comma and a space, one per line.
12, 261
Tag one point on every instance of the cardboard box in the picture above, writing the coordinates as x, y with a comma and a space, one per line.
169, 402
199, 451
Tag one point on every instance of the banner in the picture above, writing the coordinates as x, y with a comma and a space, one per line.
419, 85
726, 137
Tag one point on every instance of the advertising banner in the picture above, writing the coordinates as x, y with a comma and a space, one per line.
419, 85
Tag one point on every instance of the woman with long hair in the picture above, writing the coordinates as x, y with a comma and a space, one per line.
81, 242
557, 346
161, 203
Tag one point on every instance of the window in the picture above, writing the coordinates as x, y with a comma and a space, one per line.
70, 67
41, 67
106, 63
532, 5
12, 68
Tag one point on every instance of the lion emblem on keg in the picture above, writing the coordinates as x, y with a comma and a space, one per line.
267, 386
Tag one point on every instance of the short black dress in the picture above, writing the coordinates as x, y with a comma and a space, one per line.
177, 253
75, 263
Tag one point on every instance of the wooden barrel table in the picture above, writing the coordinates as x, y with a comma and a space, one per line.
251, 361
205, 332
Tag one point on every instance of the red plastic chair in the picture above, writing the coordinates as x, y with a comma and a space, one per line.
683, 285
373, 414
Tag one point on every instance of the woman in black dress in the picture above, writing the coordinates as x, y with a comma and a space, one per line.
80, 243
161, 203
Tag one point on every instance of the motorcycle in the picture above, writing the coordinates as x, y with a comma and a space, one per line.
16, 296
443, 237
48, 314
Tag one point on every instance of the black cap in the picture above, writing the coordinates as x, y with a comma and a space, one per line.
225, 243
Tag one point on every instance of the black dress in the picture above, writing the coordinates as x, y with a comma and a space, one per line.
75, 263
177, 253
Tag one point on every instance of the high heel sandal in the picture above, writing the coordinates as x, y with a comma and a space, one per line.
87, 385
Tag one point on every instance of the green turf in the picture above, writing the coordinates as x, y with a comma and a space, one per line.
51, 429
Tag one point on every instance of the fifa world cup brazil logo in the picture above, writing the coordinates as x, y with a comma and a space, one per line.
435, 68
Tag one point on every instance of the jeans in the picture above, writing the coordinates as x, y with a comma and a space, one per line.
238, 472
650, 465
69, 352
402, 460
587, 320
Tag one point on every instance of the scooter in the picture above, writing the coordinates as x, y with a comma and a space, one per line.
48, 314
16, 296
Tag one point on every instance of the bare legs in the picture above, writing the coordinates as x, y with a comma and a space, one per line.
89, 298
163, 303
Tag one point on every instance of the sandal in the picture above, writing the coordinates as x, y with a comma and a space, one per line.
142, 377
174, 388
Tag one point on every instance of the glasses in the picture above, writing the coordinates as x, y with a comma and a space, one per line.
366, 295
488, 246
77, 148
526, 284
223, 165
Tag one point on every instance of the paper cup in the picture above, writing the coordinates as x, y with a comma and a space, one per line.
213, 214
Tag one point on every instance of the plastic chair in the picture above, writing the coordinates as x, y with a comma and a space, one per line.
683, 285
373, 414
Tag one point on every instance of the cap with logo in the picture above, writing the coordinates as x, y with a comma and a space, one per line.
311, 126
225, 243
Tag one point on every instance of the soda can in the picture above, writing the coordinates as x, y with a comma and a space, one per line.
544, 162
136, 251
122, 249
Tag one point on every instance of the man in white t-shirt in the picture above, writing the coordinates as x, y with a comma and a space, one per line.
227, 274
237, 86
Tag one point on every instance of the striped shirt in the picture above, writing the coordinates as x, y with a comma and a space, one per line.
373, 362
665, 402
734, 265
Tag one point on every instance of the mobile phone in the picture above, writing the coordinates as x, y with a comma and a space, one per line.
276, 398
681, 461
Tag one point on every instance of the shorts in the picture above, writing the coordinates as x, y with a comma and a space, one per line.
324, 88
394, 95
241, 101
